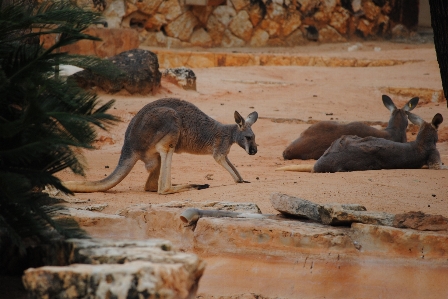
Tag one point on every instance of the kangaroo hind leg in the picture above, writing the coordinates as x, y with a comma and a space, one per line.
153, 167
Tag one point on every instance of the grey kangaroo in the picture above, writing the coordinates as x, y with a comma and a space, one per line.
169, 126
353, 153
313, 142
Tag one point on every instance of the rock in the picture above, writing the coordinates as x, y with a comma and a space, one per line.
140, 74
113, 42
271, 27
329, 34
215, 29
241, 26
182, 27
240, 4
371, 11
340, 215
224, 14
202, 12
171, 9
139, 279
339, 20
295, 206
421, 221
114, 13
155, 22
201, 38
255, 14
148, 7
229, 40
291, 24
259, 38
215, 205
181, 76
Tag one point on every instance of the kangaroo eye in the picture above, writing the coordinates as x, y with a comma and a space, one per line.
248, 138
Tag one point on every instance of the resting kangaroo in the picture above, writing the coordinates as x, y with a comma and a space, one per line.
169, 126
313, 142
353, 153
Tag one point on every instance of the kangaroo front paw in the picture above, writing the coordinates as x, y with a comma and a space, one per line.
199, 187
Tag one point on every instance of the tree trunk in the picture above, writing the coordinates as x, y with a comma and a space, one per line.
439, 23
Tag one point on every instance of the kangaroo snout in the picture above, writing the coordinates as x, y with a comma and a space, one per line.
252, 150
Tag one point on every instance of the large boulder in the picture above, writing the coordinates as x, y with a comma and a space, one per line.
139, 74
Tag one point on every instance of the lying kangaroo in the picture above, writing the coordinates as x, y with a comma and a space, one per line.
313, 142
353, 153
169, 126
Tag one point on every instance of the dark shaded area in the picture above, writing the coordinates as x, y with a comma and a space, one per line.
439, 23
405, 12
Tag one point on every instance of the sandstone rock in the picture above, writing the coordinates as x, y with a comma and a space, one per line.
114, 13
365, 27
307, 6
140, 74
255, 15
135, 20
181, 76
224, 14
182, 27
148, 7
229, 40
371, 11
201, 38
329, 34
240, 4
241, 26
155, 22
340, 215
259, 38
202, 13
215, 29
131, 280
339, 20
296, 38
290, 24
271, 27
275, 11
421, 221
113, 41
295, 206
171, 9
215, 205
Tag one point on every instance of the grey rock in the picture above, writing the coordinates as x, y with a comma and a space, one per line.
182, 76
139, 74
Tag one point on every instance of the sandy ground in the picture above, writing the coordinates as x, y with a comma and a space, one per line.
292, 93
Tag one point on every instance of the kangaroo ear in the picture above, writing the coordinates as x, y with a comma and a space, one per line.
415, 119
239, 119
437, 120
387, 101
411, 104
251, 118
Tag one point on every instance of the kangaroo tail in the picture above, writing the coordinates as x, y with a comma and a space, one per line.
297, 168
125, 165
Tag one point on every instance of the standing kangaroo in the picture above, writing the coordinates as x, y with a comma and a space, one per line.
353, 153
313, 142
169, 126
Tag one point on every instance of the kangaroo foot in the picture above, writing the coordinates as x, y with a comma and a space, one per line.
199, 187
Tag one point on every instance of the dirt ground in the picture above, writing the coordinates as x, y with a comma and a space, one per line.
293, 94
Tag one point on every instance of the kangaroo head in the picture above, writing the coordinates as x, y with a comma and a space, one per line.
245, 137
398, 118
427, 131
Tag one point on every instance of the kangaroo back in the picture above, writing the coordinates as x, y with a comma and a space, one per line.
313, 142
353, 153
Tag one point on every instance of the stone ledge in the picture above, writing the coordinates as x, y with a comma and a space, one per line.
197, 59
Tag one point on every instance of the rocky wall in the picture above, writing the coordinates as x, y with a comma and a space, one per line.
254, 23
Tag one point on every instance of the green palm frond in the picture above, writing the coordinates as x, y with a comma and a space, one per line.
43, 119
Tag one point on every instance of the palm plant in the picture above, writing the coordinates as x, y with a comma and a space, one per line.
44, 120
